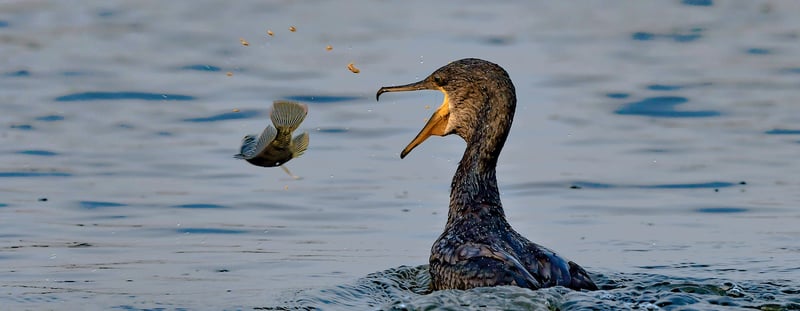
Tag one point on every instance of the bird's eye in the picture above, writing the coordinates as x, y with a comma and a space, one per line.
438, 80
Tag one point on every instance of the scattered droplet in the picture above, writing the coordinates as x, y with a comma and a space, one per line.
352, 68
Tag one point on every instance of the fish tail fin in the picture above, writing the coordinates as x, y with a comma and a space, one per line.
287, 115
299, 145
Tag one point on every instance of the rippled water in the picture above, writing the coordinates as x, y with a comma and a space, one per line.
655, 143
405, 288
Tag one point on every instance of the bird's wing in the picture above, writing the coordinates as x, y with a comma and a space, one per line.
552, 269
580, 279
522, 276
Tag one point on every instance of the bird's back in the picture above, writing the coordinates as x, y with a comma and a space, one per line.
472, 255
550, 268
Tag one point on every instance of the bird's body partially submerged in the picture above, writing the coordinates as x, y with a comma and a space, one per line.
478, 247
275, 146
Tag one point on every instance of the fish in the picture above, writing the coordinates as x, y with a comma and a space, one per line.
275, 146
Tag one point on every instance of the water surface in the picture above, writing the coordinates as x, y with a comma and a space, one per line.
655, 143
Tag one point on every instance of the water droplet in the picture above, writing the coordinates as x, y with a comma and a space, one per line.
421, 61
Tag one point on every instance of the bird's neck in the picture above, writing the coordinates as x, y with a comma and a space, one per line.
474, 194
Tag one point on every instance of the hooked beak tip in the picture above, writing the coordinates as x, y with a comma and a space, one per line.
378, 95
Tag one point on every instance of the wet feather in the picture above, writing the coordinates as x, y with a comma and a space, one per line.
478, 246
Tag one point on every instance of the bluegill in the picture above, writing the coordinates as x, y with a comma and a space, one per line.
275, 146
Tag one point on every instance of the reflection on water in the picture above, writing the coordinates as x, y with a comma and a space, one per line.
225, 116
663, 107
321, 99
86, 96
655, 143
679, 37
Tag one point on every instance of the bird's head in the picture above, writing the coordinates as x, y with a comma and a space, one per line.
474, 90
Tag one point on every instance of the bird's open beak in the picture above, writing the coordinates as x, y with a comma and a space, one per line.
437, 124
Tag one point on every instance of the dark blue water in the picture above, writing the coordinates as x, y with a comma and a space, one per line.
122, 95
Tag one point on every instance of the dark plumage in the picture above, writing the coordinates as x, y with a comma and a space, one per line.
478, 247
